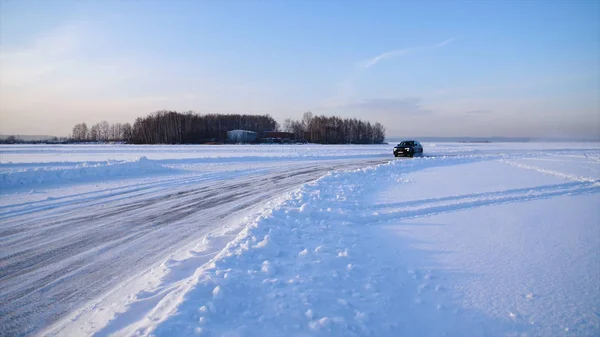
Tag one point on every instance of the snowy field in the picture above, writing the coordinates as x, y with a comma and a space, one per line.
300, 240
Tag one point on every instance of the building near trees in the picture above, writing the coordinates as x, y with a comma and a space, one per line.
241, 136
279, 134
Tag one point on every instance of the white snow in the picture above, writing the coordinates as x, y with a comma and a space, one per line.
84, 172
471, 240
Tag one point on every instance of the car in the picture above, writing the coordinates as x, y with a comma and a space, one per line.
408, 148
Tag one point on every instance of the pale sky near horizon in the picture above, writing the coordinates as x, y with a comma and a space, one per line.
427, 68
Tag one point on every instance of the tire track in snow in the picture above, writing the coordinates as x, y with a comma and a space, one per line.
118, 193
435, 206
550, 172
487, 195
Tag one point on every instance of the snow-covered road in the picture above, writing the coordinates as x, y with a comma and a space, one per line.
471, 240
61, 252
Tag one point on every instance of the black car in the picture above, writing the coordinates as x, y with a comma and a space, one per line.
408, 148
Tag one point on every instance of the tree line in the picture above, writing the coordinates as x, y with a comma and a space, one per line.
335, 130
171, 127
102, 132
15, 139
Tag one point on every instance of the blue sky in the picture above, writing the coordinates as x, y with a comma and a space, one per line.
426, 68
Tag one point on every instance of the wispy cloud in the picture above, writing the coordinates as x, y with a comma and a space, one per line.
446, 42
24, 64
387, 55
390, 106
346, 89
60, 61
401, 52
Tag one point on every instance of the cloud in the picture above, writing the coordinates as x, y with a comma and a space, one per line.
387, 55
446, 42
60, 73
63, 61
388, 106
401, 52
24, 64
346, 88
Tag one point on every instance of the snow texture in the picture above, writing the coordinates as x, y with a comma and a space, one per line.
84, 172
470, 240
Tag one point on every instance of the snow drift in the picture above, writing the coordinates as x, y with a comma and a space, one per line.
83, 172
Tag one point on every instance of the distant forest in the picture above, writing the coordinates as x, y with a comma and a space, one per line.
334, 130
171, 127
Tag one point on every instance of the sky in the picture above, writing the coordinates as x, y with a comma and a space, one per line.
421, 68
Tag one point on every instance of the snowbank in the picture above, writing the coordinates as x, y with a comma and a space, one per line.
84, 172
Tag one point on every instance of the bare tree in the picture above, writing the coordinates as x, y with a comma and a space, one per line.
104, 131
126, 132
95, 133
80, 132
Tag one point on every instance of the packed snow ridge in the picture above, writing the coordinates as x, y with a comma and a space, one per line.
83, 172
